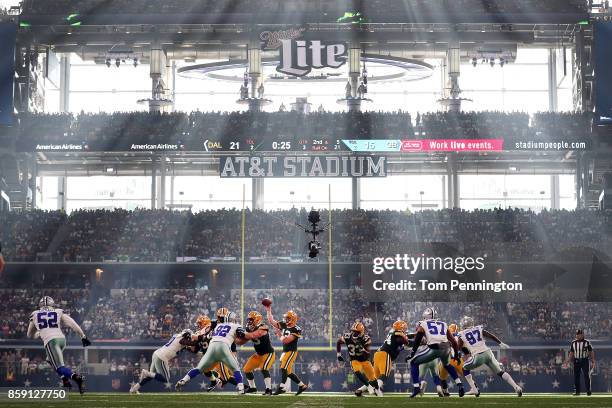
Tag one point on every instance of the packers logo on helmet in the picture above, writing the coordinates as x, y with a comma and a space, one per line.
203, 322
453, 328
291, 318
222, 314
400, 325
358, 329
254, 319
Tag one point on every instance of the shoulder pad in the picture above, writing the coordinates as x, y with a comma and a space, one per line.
297, 328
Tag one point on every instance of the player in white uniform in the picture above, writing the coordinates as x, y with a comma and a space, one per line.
439, 343
47, 323
431, 368
220, 350
472, 342
161, 357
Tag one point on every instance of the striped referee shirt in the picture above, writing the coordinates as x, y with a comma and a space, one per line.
581, 348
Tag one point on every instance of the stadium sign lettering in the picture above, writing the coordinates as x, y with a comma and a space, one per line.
303, 166
299, 57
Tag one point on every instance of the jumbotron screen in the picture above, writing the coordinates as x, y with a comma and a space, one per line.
298, 203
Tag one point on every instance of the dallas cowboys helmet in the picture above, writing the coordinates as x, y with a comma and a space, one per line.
46, 302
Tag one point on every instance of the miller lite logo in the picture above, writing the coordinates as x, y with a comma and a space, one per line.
299, 57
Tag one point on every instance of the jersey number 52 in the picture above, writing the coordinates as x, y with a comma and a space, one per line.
46, 320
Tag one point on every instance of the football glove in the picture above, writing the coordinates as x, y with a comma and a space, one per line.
340, 358
240, 333
85, 342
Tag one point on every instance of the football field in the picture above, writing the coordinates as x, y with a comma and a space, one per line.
315, 400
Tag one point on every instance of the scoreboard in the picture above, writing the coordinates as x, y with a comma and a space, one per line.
328, 144
300, 144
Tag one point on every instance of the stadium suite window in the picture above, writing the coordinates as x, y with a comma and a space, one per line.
209, 192
488, 191
307, 193
403, 192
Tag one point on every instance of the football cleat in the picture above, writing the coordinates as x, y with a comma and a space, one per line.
240, 388
250, 390
179, 385
378, 392
301, 389
134, 390
214, 385
461, 390
473, 391
267, 392
423, 387
66, 383
519, 392
358, 393
415, 392
279, 391
440, 391
80, 381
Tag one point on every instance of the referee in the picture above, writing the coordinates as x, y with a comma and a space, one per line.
581, 352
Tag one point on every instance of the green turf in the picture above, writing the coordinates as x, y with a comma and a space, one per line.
312, 400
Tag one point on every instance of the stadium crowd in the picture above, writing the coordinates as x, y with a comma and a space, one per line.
358, 235
155, 314
370, 8
188, 131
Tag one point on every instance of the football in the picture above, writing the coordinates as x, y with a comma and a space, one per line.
266, 302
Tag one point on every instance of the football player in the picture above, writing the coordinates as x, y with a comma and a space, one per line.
387, 353
439, 342
430, 368
358, 344
46, 323
263, 358
461, 371
289, 333
161, 357
219, 349
472, 342
218, 374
